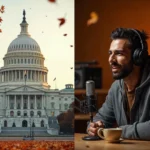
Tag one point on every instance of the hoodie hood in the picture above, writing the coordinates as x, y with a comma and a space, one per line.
145, 73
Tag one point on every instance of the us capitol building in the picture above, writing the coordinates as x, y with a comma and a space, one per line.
26, 99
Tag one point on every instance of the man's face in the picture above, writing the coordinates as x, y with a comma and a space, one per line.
120, 58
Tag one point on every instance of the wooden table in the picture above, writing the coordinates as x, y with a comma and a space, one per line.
103, 145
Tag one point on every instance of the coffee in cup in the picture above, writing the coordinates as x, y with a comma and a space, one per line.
110, 134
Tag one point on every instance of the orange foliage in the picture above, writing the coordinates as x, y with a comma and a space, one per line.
53, 1
62, 21
36, 145
1, 11
93, 18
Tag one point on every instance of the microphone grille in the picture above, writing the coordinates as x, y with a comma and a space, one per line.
90, 88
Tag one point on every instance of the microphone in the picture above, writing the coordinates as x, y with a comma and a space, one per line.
90, 98
91, 104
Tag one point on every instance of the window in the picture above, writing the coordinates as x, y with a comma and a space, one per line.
5, 123
25, 113
11, 113
25, 104
18, 113
42, 123
39, 113
17, 74
66, 106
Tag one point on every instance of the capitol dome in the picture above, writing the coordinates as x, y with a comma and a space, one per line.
24, 42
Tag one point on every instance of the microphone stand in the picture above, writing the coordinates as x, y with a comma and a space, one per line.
91, 138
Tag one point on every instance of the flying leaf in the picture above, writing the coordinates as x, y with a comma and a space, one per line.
65, 34
62, 21
71, 68
93, 18
1, 19
71, 45
2, 9
52, 1
1, 30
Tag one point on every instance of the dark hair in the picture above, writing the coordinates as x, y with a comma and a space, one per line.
132, 36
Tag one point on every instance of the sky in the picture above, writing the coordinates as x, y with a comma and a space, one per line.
42, 17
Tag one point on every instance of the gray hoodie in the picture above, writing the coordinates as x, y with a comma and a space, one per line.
113, 109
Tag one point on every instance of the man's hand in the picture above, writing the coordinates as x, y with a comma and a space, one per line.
92, 130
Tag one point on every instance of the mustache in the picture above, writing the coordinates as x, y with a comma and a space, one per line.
114, 64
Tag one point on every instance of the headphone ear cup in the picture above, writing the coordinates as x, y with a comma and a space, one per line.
136, 57
139, 56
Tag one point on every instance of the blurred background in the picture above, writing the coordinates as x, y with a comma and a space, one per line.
94, 22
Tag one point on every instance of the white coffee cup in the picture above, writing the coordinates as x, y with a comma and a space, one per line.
109, 134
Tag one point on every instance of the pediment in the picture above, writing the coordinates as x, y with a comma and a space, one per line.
26, 89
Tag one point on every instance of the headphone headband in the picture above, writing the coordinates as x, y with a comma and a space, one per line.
141, 41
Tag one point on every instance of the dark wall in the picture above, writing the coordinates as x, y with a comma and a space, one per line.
92, 43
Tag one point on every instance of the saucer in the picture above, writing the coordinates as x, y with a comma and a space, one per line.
115, 141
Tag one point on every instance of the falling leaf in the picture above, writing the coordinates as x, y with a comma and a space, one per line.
1, 19
93, 18
1, 30
71, 68
2, 7
52, 1
65, 34
62, 21
71, 45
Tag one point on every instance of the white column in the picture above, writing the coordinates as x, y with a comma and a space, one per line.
41, 76
8, 102
15, 102
15, 75
0, 77
38, 75
42, 101
8, 75
35, 75
21, 101
35, 107
28, 102
31, 75
12, 76
4, 76
27, 75
46, 77
19, 75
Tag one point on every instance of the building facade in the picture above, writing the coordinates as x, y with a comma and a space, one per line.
25, 96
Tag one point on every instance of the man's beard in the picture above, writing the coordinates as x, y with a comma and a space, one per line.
125, 70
